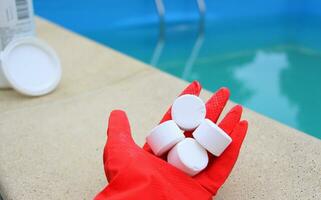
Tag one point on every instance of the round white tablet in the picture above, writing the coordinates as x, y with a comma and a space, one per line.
188, 111
164, 136
30, 66
188, 156
212, 137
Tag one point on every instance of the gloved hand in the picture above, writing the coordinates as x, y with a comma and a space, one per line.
134, 173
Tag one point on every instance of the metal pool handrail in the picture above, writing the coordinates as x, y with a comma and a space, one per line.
161, 36
161, 9
201, 8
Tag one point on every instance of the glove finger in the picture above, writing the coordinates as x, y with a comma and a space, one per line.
216, 104
214, 176
195, 89
231, 119
120, 146
229, 122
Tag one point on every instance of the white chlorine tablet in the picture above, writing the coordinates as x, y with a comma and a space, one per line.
188, 156
188, 111
212, 137
164, 136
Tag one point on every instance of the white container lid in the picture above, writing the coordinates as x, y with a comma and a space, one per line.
188, 111
31, 66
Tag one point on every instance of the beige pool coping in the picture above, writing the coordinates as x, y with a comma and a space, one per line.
51, 147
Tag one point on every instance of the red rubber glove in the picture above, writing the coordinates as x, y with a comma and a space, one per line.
134, 173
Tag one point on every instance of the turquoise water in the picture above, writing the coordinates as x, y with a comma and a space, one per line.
272, 66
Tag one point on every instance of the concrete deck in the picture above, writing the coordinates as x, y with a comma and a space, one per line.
51, 147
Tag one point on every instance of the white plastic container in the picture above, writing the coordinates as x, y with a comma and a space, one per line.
16, 20
8, 14
188, 156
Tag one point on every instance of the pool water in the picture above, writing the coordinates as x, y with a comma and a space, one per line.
267, 52
272, 66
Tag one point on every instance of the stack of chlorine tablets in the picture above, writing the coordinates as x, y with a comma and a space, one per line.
188, 154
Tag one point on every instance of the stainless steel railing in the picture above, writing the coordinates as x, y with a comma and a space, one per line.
161, 9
